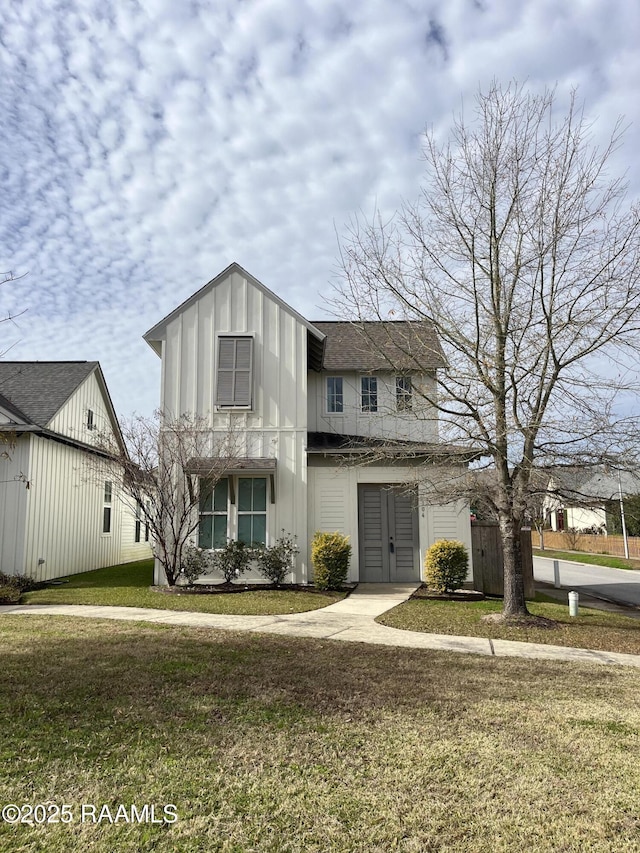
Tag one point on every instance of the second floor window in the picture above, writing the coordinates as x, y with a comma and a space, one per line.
235, 372
369, 393
403, 393
335, 396
91, 424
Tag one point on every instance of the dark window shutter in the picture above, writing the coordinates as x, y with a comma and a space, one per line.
235, 364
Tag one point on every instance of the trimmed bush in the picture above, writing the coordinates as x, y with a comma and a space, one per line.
9, 593
194, 563
445, 565
276, 561
330, 555
20, 582
232, 560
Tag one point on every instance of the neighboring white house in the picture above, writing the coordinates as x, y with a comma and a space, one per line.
307, 396
59, 513
577, 496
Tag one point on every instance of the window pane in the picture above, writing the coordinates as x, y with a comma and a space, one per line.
259, 494
334, 394
136, 537
220, 495
107, 492
204, 532
244, 529
259, 529
244, 494
219, 531
206, 496
369, 394
106, 520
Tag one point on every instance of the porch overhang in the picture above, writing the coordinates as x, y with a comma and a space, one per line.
208, 466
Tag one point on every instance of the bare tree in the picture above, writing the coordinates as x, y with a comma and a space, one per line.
163, 462
7, 278
523, 253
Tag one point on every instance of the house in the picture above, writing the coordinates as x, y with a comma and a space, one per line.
62, 506
336, 436
578, 497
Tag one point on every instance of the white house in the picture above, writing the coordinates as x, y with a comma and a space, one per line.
313, 401
62, 506
577, 496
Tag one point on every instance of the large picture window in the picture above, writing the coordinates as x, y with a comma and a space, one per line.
214, 510
252, 510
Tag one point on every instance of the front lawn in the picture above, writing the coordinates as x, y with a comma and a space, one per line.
128, 585
591, 629
289, 745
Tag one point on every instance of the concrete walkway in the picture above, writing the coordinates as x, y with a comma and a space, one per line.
350, 620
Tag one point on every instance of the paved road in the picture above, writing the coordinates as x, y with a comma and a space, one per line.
622, 585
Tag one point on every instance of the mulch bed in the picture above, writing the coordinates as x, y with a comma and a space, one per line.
224, 587
460, 595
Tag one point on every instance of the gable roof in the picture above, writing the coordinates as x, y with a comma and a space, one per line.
380, 345
39, 389
589, 485
157, 332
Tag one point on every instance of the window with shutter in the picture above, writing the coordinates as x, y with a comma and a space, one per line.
235, 368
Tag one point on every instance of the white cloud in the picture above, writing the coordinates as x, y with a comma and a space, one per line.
145, 146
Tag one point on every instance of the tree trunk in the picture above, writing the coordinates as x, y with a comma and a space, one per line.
514, 600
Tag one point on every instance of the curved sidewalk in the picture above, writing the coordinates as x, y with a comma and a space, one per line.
350, 620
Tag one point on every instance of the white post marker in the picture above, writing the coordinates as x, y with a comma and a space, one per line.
556, 574
573, 604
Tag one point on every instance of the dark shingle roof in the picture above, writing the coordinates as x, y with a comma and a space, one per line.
40, 388
397, 345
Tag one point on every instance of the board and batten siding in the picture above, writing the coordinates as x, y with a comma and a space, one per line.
333, 506
420, 424
276, 424
13, 505
71, 420
65, 510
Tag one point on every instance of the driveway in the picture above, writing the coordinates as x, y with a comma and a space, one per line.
620, 585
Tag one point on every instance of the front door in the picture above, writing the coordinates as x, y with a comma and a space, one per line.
388, 535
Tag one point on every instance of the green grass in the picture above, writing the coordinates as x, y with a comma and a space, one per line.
287, 745
595, 559
591, 629
128, 585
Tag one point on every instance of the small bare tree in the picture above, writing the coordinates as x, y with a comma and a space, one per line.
524, 256
163, 462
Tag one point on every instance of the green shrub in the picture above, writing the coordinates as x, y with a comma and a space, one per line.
232, 560
277, 560
445, 565
330, 555
194, 563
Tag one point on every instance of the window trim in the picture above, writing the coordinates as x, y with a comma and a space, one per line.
229, 404
404, 393
371, 394
107, 513
213, 512
252, 512
327, 395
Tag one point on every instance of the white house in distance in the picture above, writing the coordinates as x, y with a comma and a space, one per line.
577, 496
308, 396
59, 514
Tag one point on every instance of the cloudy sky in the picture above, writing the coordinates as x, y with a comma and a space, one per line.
146, 144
